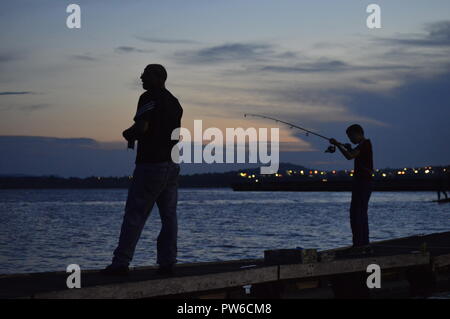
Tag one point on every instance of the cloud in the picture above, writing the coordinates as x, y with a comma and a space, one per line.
16, 93
165, 41
234, 52
325, 96
412, 114
405, 53
328, 66
41, 140
438, 35
84, 57
25, 108
36, 155
34, 107
6, 57
128, 49
8, 63
418, 116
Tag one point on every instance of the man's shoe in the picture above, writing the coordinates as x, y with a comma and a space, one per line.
113, 270
166, 270
369, 251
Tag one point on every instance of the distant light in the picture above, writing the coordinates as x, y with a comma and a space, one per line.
405, 169
302, 172
324, 180
427, 171
416, 171
334, 172
351, 174
315, 172
384, 174
256, 180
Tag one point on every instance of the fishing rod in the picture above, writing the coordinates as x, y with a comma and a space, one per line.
289, 124
330, 149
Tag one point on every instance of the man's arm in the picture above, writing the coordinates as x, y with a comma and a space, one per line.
136, 130
348, 153
141, 119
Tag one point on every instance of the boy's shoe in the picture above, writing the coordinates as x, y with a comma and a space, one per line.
113, 270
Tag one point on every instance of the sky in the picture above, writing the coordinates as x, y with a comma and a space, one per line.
313, 63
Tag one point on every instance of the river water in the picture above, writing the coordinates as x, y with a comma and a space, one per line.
46, 230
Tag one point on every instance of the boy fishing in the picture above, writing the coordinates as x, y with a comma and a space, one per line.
362, 182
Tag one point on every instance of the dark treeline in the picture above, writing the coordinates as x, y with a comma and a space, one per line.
196, 180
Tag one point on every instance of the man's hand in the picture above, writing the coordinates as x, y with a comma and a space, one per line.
135, 131
128, 134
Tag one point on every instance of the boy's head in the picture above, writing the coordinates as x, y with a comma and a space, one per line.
355, 133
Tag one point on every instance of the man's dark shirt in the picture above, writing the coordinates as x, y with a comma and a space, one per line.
364, 161
163, 113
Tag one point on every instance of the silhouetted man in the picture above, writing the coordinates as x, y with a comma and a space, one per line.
155, 175
362, 182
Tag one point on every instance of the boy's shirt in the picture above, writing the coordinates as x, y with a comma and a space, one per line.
364, 161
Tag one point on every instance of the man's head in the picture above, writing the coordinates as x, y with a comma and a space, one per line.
154, 76
355, 133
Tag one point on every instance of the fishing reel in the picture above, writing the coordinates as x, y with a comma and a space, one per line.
330, 149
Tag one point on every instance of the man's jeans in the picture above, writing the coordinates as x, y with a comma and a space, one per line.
152, 182
361, 191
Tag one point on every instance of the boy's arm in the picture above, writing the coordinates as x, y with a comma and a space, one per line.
348, 153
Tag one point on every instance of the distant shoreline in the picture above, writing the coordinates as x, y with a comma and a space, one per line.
289, 178
419, 185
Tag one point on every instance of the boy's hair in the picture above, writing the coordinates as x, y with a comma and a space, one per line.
158, 70
355, 128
